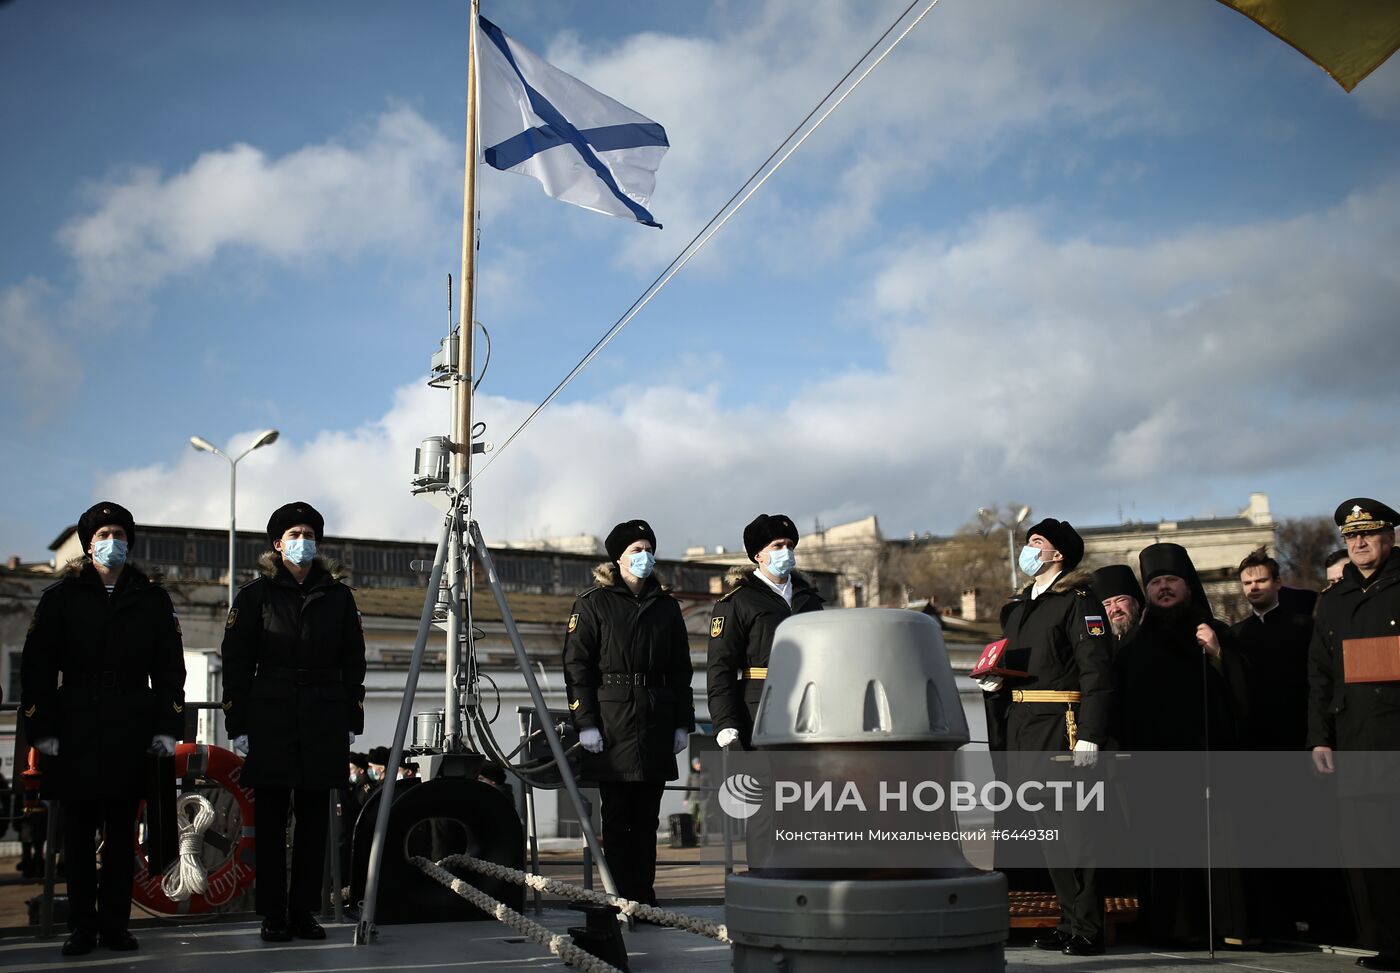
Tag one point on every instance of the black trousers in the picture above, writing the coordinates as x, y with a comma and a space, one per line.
631, 812
1081, 905
311, 809
97, 907
1375, 892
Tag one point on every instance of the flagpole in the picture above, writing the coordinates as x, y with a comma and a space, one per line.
459, 616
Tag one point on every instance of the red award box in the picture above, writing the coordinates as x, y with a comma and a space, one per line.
990, 664
1372, 660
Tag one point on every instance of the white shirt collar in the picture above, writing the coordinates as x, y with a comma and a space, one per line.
784, 589
1039, 588
1261, 614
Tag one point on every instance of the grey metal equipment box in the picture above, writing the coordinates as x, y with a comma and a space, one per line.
841, 683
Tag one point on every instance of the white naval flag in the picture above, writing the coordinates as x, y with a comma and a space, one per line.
585, 148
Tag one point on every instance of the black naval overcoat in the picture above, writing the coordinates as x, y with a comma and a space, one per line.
741, 637
1359, 716
1063, 638
122, 665
627, 668
294, 676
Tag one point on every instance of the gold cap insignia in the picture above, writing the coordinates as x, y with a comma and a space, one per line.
573, 621
716, 627
1359, 521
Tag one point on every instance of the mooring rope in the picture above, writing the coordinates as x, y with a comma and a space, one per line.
558, 944
703, 927
186, 875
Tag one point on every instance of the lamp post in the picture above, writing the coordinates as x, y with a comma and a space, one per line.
990, 519
205, 446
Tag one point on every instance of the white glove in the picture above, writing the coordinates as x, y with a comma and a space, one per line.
591, 739
352, 734
163, 745
727, 737
682, 740
48, 746
990, 684
1086, 753
239, 745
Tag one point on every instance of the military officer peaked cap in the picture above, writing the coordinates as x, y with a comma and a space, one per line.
105, 514
1361, 514
289, 515
765, 529
622, 536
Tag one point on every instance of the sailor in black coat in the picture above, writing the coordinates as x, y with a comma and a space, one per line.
109, 634
628, 672
294, 674
1055, 629
743, 622
1361, 716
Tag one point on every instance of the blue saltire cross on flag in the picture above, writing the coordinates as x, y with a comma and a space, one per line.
584, 147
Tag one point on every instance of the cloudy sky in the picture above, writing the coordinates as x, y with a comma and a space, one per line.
1109, 259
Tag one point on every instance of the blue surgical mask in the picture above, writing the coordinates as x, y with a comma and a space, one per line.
781, 562
299, 550
1029, 561
640, 563
110, 552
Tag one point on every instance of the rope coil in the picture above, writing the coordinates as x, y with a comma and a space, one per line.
702, 927
186, 875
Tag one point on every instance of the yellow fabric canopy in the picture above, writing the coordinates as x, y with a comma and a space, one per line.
1347, 38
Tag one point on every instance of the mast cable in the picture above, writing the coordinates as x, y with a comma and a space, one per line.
723, 215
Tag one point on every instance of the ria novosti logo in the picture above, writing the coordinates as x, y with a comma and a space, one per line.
740, 796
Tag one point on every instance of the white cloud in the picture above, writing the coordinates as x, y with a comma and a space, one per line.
30, 351
382, 188
1061, 371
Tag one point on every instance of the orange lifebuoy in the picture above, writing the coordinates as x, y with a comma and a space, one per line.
235, 875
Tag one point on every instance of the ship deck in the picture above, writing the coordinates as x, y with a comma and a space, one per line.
232, 945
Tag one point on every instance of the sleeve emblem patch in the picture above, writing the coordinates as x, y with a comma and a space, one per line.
574, 705
228, 706
33, 624
178, 631
573, 621
232, 618
360, 619
32, 710
1094, 623
716, 627
177, 707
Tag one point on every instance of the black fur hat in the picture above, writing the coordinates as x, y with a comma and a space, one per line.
765, 529
104, 514
289, 515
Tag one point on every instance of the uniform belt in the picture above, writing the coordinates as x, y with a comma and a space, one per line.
634, 679
1045, 696
111, 680
757, 672
302, 677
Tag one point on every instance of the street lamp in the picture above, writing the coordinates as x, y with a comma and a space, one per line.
990, 519
205, 446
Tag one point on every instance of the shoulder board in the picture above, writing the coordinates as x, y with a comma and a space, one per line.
730, 593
